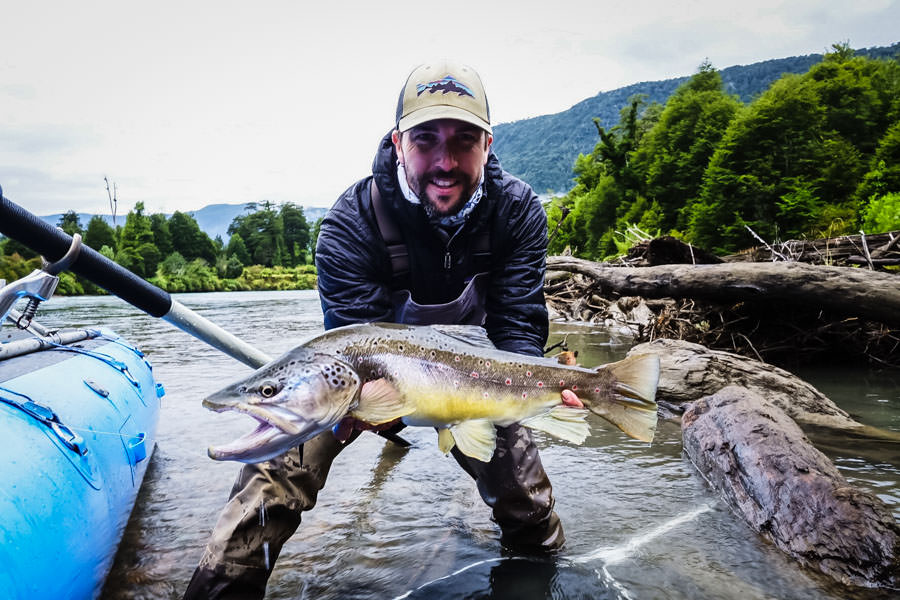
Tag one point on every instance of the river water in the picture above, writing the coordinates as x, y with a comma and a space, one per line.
396, 523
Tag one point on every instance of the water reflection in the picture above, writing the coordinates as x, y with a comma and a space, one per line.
409, 523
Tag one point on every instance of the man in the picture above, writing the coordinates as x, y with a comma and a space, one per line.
438, 234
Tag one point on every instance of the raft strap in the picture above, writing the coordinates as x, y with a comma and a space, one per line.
44, 414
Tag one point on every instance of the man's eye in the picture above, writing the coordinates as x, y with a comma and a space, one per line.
424, 139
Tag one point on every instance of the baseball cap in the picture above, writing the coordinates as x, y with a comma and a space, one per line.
443, 90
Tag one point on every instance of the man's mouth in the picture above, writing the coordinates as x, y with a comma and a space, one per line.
444, 183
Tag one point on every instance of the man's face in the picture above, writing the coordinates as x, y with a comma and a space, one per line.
443, 160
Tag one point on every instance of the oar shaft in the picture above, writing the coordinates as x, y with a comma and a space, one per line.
22, 226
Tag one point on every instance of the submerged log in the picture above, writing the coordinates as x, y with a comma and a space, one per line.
690, 371
845, 290
786, 490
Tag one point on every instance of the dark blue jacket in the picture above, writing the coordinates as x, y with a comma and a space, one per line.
354, 269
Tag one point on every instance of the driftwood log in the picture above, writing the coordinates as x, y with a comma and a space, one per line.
690, 371
850, 291
765, 468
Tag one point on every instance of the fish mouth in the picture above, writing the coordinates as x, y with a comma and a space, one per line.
264, 414
274, 433
263, 443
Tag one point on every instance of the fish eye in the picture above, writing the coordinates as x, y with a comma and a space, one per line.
267, 390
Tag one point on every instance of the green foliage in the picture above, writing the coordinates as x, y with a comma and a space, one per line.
296, 235
99, 234
162, 237
238, 249
189, 240
263, 233
136, 250
882, 214
799, 147
792, 163
14, 266
677, 150
258, 277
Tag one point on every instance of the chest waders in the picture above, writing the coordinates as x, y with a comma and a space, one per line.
268, 498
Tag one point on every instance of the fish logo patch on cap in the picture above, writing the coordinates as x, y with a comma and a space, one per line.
446, 85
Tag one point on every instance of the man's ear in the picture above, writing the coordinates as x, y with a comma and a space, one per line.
395, 138
488, 140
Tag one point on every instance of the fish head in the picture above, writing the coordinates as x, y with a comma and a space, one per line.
293, 399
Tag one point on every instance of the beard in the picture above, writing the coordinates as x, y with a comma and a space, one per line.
438, 203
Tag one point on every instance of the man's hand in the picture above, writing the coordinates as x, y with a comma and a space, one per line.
570, 398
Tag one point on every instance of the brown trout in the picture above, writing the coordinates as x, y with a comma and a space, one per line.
448, 377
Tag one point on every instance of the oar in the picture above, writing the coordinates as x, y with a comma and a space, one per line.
22, 226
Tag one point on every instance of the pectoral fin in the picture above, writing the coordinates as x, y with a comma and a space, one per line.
476, 438
564, 422
380, 402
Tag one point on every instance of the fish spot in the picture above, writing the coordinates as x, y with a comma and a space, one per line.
508, 381
527, 373
540, 384
562, 383
596, 390
487, 364
524, 394
456, 359
474, 374
484, 395
574, 387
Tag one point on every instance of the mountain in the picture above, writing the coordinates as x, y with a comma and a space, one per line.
542, 150
214, 219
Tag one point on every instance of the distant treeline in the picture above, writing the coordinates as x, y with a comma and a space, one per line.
270, 248
815, 155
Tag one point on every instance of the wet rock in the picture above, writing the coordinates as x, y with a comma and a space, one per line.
758, 459
689, 371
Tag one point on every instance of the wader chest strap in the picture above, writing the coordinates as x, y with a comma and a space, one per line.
396, 248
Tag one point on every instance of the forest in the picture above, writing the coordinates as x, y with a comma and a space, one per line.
815, 155
269, 248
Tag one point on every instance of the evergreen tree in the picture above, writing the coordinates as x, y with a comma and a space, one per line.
675, 153
137, 252
159, 224
70, 223
189, 240
99, 233
238, 249
296, 234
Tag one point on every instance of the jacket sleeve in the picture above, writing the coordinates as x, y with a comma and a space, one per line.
516, 310
352, 278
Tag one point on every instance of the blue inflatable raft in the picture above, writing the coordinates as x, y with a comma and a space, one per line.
78, 417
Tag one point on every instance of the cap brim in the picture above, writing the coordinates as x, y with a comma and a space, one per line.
431, 113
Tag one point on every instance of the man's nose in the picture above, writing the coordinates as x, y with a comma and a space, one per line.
444, 157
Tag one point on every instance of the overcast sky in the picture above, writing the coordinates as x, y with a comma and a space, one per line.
188, 103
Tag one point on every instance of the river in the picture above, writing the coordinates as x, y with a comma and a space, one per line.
395, 523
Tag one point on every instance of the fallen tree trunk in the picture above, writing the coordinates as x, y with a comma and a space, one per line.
786, 490
858, 292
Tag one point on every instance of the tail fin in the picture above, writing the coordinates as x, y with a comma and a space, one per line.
633, 406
